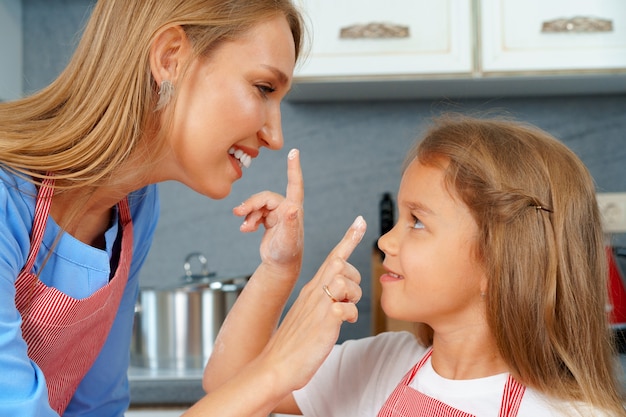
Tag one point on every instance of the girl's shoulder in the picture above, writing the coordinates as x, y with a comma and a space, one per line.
402, 346
535, 403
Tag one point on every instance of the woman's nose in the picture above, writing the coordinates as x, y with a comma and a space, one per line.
272, 132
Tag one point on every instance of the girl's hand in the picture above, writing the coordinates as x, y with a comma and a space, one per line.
311, 327
282, 217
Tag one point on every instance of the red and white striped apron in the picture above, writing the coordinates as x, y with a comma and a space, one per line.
65, 335
405, 401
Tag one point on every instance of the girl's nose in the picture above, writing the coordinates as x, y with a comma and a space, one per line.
386, 243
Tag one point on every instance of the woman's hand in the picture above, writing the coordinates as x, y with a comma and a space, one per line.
282, 218
311, 327
296, 350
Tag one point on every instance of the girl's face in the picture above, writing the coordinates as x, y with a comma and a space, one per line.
229, 107
433, 276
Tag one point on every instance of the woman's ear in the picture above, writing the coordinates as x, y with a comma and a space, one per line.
169, 51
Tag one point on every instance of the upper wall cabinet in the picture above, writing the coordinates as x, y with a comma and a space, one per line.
10, 49
369, 49
396, 37
539, 35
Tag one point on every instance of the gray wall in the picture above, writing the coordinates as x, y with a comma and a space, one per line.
351, 153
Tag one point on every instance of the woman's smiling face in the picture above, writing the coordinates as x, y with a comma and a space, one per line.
228, 107
433, 275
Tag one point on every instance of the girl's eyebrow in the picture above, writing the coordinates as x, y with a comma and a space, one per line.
419, 207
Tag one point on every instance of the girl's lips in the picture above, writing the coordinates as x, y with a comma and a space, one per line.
390, 277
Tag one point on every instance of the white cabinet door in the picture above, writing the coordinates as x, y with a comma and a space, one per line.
10, 49
554, 35
373, 38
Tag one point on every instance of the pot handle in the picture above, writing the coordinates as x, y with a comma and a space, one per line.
190, 276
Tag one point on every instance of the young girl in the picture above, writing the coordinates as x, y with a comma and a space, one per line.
498, 255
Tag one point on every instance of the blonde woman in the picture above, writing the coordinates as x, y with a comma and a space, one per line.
498, 254
156, 90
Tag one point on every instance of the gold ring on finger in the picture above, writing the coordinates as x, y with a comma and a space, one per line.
329, 294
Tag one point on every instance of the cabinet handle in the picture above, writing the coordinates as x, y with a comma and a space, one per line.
374, 30
578, 24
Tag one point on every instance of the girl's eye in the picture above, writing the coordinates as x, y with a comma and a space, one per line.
417, 224
265, 89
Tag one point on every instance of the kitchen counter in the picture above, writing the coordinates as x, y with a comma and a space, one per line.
169, 387
184, 387
164, 393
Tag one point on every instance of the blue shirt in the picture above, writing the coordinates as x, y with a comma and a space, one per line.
77, 270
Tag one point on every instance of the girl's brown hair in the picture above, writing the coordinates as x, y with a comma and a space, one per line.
91, 118
541, 244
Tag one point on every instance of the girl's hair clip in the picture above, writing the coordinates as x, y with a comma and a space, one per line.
538, 207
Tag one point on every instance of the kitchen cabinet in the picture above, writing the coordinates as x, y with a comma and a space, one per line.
10, 49
364, 49
405, 37
569, 35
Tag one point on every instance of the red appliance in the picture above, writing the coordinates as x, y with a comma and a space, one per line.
617, 294
617, 290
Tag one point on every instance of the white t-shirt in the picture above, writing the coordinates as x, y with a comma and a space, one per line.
359, 375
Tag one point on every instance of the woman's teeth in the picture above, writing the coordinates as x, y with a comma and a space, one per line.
244, 159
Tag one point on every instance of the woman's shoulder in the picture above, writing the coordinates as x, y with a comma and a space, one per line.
17, 206
15, 187
144, 197
17, 198
144, 204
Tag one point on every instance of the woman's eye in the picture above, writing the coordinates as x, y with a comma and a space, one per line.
417, 224
265, 89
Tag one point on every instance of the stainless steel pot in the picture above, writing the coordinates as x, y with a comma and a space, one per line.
176, 327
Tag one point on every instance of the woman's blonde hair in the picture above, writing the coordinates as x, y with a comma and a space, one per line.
91, 118
541, 243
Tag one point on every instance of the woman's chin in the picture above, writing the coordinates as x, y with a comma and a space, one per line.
213, 192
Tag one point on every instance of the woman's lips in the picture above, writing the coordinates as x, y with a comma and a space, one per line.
242, 157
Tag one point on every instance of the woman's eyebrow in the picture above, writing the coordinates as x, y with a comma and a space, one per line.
282, 77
